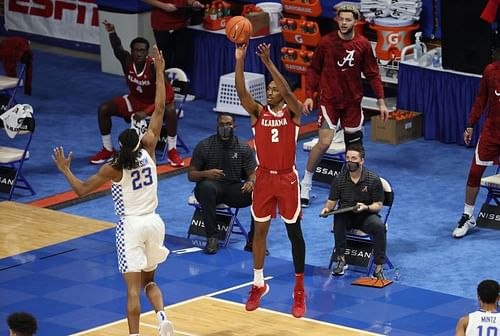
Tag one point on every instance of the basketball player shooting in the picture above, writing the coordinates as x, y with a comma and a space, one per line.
275, 129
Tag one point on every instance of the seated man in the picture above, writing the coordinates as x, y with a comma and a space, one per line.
219, 165
362, 189
139, 71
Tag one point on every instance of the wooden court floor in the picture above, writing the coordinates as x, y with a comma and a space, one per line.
211, 316
25, 228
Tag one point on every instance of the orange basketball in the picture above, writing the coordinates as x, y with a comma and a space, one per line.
239, 29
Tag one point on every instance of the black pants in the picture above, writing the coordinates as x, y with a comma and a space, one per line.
176, 47
371, 224
210, 193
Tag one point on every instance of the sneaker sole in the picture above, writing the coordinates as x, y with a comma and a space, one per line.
304, 202
339, 274
173, 164
101, 161
168, 329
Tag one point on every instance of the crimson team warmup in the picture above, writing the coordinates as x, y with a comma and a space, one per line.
139, 71
275, 128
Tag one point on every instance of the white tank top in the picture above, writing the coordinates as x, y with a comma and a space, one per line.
135, 194
482, 323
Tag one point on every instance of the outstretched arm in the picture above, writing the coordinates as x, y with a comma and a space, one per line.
120, 53
153, 133
82, 188
246, 98
293, 103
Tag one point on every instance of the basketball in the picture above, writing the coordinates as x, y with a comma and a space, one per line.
239, 29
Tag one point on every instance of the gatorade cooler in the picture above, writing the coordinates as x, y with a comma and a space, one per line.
392, 36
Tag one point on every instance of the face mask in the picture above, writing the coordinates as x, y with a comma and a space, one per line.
225, 131
353, 166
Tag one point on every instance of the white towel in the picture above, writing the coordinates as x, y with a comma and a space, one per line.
13, 119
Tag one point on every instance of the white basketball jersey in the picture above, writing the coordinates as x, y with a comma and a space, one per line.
135, 194
482, 323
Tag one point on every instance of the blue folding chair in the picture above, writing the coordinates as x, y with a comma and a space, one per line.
358, 236
235, 225
492, 184
12, 160
10, 85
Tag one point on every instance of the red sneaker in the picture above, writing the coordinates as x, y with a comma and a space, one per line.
174, 158
299, 303
102, 156
256, 293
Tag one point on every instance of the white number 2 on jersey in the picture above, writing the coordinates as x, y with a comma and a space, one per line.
274, 135
139, 88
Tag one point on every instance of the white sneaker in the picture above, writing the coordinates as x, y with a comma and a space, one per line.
305, 189
166, 328
465, 224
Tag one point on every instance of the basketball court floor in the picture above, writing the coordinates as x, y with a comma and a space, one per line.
66, 275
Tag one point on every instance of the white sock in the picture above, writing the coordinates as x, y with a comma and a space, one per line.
308, 177
171, 142
258, 277
106, 142
468, 209
134, 335
161, 316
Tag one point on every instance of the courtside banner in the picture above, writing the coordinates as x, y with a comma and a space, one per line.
489, 216
74, 20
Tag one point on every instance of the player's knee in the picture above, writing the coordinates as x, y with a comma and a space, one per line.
352, 138
149, 285
294, 231
105, 110
134, 293
475, 174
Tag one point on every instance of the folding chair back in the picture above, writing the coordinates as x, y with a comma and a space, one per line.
12, 159
180, 83
492, 185
16, 56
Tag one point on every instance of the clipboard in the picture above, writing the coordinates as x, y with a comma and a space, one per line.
338, 211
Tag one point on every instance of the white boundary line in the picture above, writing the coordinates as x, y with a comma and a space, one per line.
172, 306
302, 318
175, 330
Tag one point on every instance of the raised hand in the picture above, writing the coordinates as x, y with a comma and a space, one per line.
158, 57
241, 51
263, 52
63, 163
110, 28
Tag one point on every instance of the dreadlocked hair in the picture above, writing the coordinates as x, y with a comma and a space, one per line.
127, 157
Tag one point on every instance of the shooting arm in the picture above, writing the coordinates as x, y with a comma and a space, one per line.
293, 104
246, 98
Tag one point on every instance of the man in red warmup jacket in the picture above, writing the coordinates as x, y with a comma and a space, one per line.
335, 73
487, 151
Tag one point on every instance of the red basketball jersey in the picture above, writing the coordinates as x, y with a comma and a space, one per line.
275, 136
142, 85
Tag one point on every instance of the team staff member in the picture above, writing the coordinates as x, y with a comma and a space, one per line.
335, 73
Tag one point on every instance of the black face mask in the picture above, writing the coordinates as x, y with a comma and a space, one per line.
353, 166
225, 131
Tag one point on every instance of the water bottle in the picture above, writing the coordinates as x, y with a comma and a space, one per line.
397, 275
436, 60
